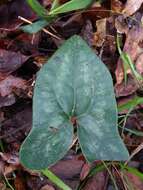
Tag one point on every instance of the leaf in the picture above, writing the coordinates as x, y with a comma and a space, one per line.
74, 83
10, 83
55, 4
35, 27
132, 6
10, 61
131, 104
37, 8
45, 146
70, 6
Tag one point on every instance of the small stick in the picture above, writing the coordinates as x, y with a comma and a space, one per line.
43, 29
138, 149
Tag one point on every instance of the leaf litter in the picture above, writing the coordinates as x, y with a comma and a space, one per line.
18, 52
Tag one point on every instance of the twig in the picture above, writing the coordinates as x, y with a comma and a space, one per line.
138, 149
43, 29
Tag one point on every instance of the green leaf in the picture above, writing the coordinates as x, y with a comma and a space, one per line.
46, 145
74, 83
130, 104
35, 27
55, 4
71, 6
37, 8
52, 177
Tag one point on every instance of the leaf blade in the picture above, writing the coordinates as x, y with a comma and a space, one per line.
34, 27
74, 83
37, 8
70, 6
34, 155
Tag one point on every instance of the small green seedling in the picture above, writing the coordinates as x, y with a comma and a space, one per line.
128, 64
47, 17
73, 84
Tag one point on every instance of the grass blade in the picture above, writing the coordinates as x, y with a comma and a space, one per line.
37, 8
55, 180
131, 104
70, 6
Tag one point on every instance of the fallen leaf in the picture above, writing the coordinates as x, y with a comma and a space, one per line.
100, 34
116, 6
8, 169
139, 64
97, 182
47, 187
133, 47
3, 186
87, 32
132, 6
9, 13
10, 61
85, 171
1, 167
13, 130
73, 164
128, 89
10, 158
71, 176
9, 83
136, 182
19, 183
7, 100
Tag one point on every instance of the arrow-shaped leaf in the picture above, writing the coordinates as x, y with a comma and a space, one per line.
74, 83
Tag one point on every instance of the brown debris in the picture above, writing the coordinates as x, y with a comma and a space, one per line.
10, 83
22, 55
47, 187
132, 6
97, 182
10, 61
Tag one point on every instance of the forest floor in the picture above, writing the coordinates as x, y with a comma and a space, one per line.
21, 57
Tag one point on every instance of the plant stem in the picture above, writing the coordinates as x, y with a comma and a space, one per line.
55, 179
111, 176
8, 184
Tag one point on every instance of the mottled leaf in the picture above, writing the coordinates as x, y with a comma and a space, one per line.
74, 83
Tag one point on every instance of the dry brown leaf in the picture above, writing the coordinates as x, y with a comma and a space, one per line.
87, 32
116, 6
47, 187
135, 181
10, 83
132, 6
10, 61
7, 100
2, 186
85, 171
9, 13
139, 63
97, 182
19, 183
128, 89
69, 170
132, 46
99, 36
10, 158
74, 167
13, 130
